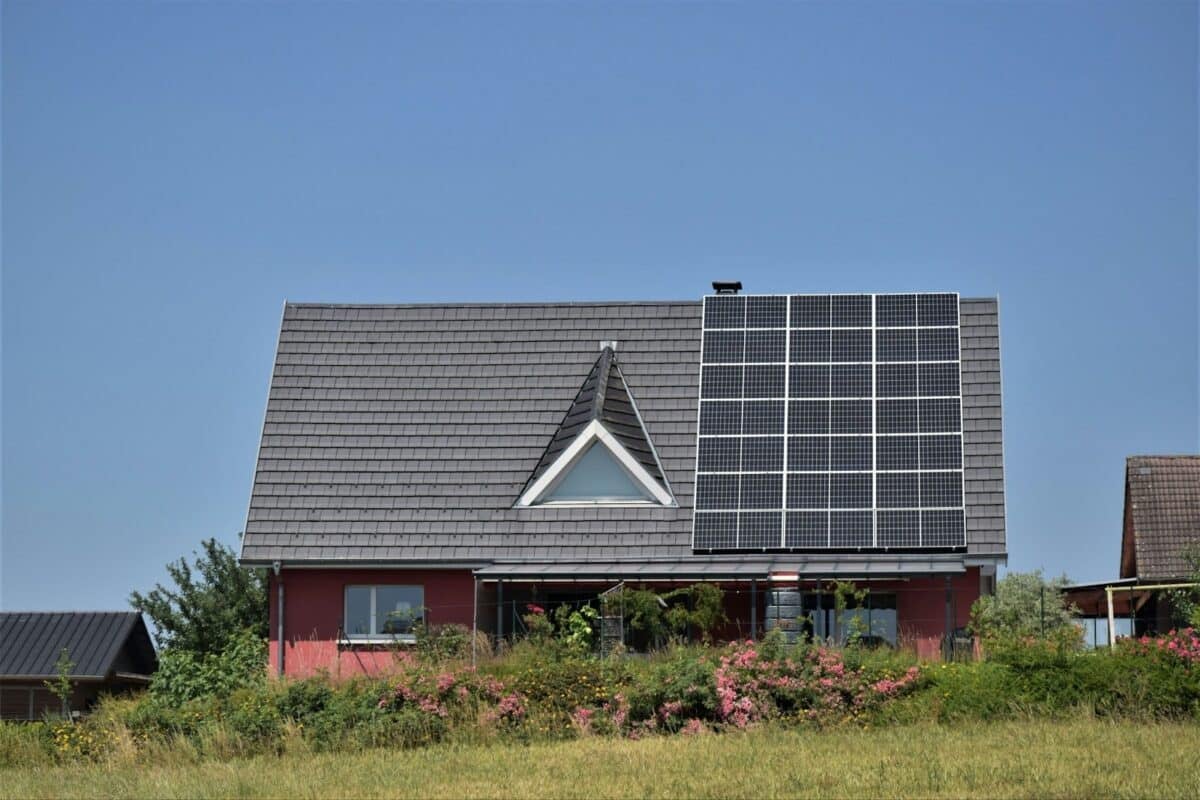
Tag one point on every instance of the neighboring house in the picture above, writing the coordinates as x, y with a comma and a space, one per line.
453, 463
110, 651
1161, 525
1162, 517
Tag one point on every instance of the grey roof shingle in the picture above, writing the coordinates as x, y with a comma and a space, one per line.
406, 433
1162, 499
983, 447
31, 641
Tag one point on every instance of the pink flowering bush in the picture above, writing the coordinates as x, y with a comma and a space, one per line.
814, 685
538, 626
453, 692
1183, 645
746, 684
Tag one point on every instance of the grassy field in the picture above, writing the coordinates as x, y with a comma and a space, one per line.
1083, 758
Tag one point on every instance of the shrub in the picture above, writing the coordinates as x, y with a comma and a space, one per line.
443, 642
983, 690
682, 683
538, 626
348, 715
576, 627
1055, 649
301, 700
650, 616
254, 716
557, 687
25, 744
642, 611
702, 608
1025, 604
184, 675
550, 690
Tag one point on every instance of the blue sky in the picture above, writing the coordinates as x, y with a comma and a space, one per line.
173, 172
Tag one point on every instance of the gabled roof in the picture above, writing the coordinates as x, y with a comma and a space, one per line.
406, 433
1162, 515
98, 642
605, 398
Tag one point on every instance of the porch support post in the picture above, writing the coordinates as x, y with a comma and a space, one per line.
1112, 622
1132, 622
474, 615
754, 609
499, 609
278, 569
820, 626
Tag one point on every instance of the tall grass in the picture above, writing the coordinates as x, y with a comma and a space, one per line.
1026, 758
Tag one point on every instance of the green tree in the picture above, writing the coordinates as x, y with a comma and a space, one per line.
61, 687
214, 600
1186, 602
1025, 604
700, 606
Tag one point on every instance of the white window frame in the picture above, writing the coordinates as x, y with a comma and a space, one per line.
595, 434
373, 637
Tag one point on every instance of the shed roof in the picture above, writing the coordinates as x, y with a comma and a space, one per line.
405, 433
1162, 515
31, 641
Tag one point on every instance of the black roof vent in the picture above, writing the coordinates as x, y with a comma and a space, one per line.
727, 287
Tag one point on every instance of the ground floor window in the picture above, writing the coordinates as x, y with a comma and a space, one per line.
873, 620
384, 612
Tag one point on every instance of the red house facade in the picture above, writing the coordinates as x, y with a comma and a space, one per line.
437, 464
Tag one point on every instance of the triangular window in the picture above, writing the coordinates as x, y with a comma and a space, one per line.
595, 468
596, 477
601, 452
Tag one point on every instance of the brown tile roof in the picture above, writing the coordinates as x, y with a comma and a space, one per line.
1162, 496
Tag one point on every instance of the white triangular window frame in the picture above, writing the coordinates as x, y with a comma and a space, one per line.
594, 434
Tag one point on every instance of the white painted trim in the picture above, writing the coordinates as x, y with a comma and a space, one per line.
594, 432
408, 639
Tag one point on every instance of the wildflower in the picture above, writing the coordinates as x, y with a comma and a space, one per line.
581, 718
669, 709
512, 707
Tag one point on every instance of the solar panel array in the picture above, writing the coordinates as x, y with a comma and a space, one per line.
829, 421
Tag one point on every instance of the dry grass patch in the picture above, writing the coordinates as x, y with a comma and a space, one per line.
1081, 758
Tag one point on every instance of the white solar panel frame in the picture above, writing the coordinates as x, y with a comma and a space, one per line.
921, 511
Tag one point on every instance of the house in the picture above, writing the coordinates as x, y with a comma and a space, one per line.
453, 463
1160, 528
110, 653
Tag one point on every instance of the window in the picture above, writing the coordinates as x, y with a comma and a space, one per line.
596, 468
384, 612
874, 619
596, 477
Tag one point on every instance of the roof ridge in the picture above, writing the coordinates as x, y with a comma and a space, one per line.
479, 304
1180, 456
604, 366
575, 303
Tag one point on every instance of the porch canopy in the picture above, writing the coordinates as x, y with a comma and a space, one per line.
1128, 595
831, 565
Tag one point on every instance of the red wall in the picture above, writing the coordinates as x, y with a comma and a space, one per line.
313, 614
313, 606
921, 608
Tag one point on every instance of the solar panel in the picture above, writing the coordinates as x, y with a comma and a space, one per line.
830, 421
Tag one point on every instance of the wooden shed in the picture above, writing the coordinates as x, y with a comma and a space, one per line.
110, 651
